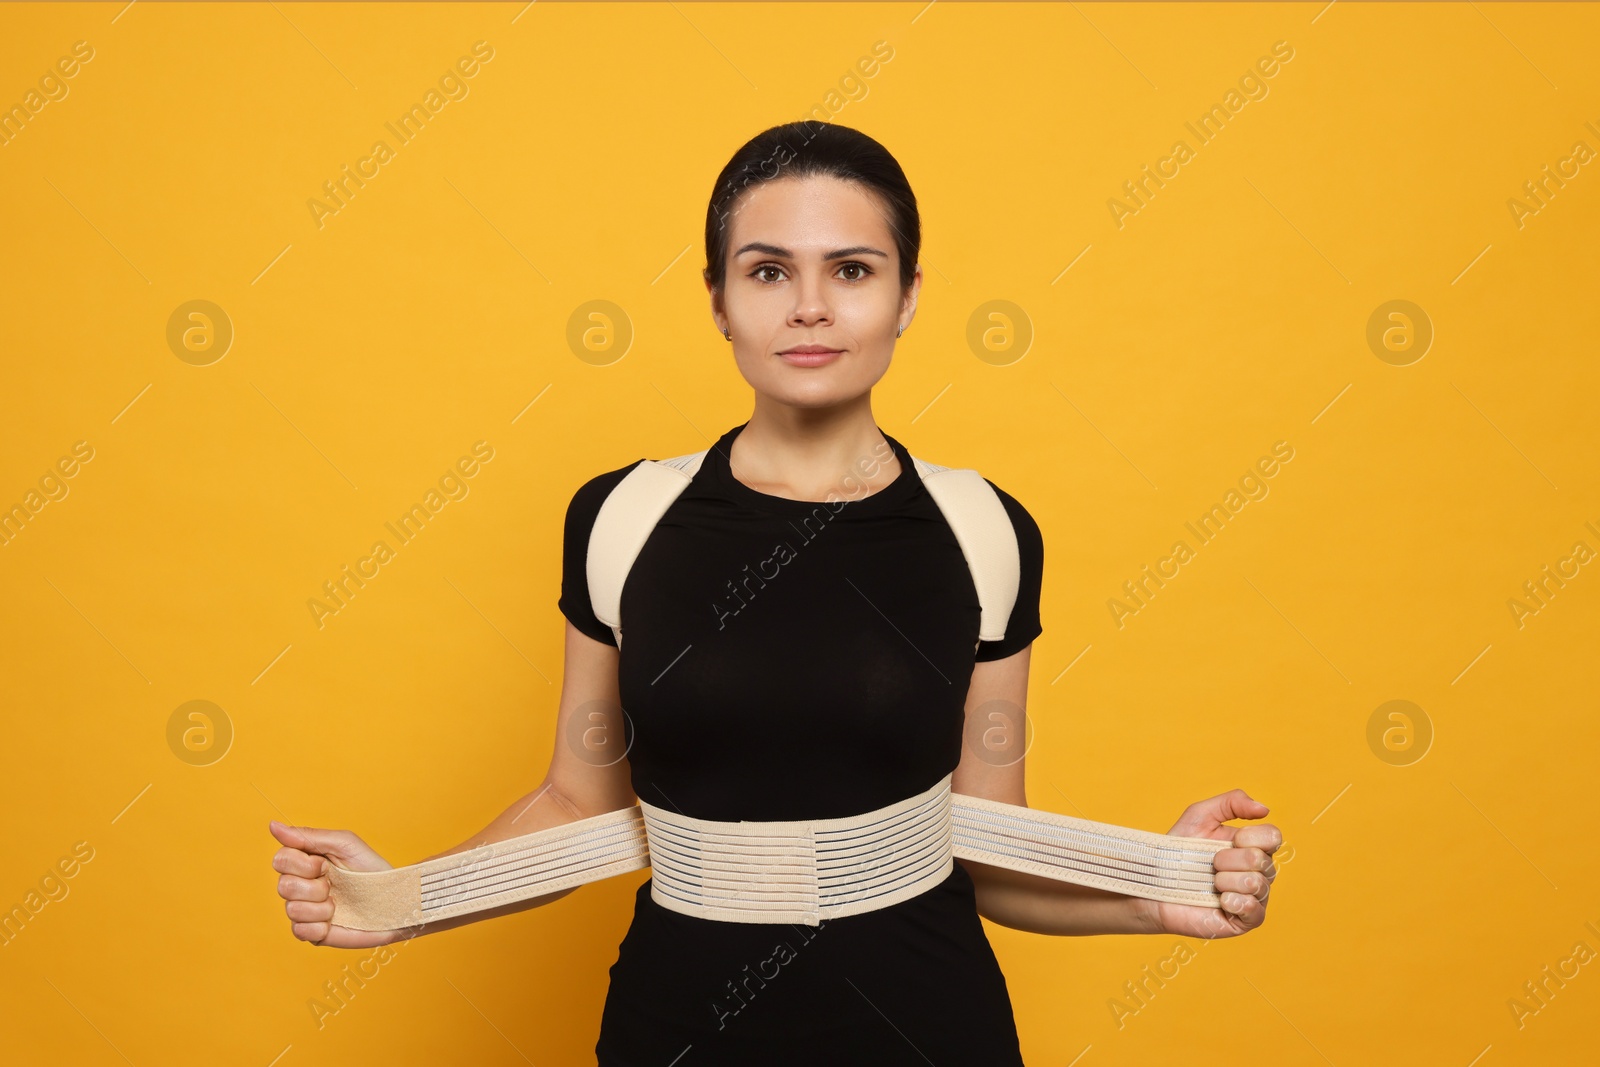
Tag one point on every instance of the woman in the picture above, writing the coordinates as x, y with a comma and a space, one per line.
802, 643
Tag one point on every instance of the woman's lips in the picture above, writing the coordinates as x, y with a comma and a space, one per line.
809, 359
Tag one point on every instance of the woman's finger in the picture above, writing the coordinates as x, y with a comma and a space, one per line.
1247, 908
1254, 883
1243, 859
328, 935
293, 861
1264, 836
309, 911
341, 846
291, 887
1204, 818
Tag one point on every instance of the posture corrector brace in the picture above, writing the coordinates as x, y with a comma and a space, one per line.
800, 871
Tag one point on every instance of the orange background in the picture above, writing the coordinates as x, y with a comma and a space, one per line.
1118, 400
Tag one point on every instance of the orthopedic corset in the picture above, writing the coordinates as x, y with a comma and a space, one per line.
800, 871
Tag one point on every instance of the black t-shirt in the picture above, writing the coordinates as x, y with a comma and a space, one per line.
787, 659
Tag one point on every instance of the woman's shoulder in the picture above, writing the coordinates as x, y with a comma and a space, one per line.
605, 480
1021, 519
1027, 529
1005, 497
585, 502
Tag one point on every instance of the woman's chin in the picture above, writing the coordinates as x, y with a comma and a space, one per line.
819, 397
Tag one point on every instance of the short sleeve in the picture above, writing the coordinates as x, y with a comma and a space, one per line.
574, 601
1024, 624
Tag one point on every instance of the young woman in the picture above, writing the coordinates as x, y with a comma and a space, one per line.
802, 643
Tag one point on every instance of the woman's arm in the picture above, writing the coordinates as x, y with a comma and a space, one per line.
588, 775
991, 767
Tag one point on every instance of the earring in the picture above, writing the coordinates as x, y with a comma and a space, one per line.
899, 331
726, 336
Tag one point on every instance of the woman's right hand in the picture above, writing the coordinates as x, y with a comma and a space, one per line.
302, 865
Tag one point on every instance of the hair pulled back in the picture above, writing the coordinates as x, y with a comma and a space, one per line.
800, 150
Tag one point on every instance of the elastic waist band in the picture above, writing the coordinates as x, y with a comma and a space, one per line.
800, 871
785, 872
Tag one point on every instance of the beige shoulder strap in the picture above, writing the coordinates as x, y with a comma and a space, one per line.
626, 518
969, 504
986, 536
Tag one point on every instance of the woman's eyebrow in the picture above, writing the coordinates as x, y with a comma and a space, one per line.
774, 250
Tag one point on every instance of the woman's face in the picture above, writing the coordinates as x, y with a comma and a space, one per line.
812, 261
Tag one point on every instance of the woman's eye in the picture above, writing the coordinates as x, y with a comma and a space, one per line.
861, 271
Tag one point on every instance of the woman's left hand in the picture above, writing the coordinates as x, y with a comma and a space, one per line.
1244, 872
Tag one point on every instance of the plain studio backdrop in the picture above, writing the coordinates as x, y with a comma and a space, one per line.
1305, 289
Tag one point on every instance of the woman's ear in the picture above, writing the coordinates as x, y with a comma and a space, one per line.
908, 302
717, 314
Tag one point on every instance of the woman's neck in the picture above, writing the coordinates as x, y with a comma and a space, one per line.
806, 454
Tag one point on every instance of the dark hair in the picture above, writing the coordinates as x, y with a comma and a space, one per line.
802, 149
